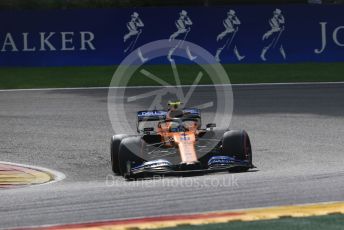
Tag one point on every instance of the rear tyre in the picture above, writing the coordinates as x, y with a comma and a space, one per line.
114, 149
127, 155
237, 144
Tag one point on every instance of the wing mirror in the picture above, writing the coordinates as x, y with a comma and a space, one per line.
148, 130
211, 126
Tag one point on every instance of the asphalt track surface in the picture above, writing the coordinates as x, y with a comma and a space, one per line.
297, 136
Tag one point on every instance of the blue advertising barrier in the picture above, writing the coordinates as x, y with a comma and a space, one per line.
233, 34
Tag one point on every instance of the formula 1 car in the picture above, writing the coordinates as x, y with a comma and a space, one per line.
173, 142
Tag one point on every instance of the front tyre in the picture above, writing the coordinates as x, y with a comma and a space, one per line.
237, 144
129, 148
114, 149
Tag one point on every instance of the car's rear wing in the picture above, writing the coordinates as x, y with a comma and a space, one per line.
160, 115
157, 115
151, 115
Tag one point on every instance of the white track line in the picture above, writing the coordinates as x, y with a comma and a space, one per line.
57, 176
208, 85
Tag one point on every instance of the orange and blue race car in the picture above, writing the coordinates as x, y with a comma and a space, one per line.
173, 142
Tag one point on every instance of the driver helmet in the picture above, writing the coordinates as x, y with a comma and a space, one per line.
173, 109
173, 105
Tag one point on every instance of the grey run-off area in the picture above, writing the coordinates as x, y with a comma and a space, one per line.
297, 136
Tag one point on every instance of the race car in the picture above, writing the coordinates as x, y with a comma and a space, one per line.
173, 142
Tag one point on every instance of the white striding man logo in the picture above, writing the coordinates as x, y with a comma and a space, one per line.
134, 26
183, 25
227, 37
273, 36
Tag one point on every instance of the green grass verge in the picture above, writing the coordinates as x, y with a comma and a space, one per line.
330, 222
93, 76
